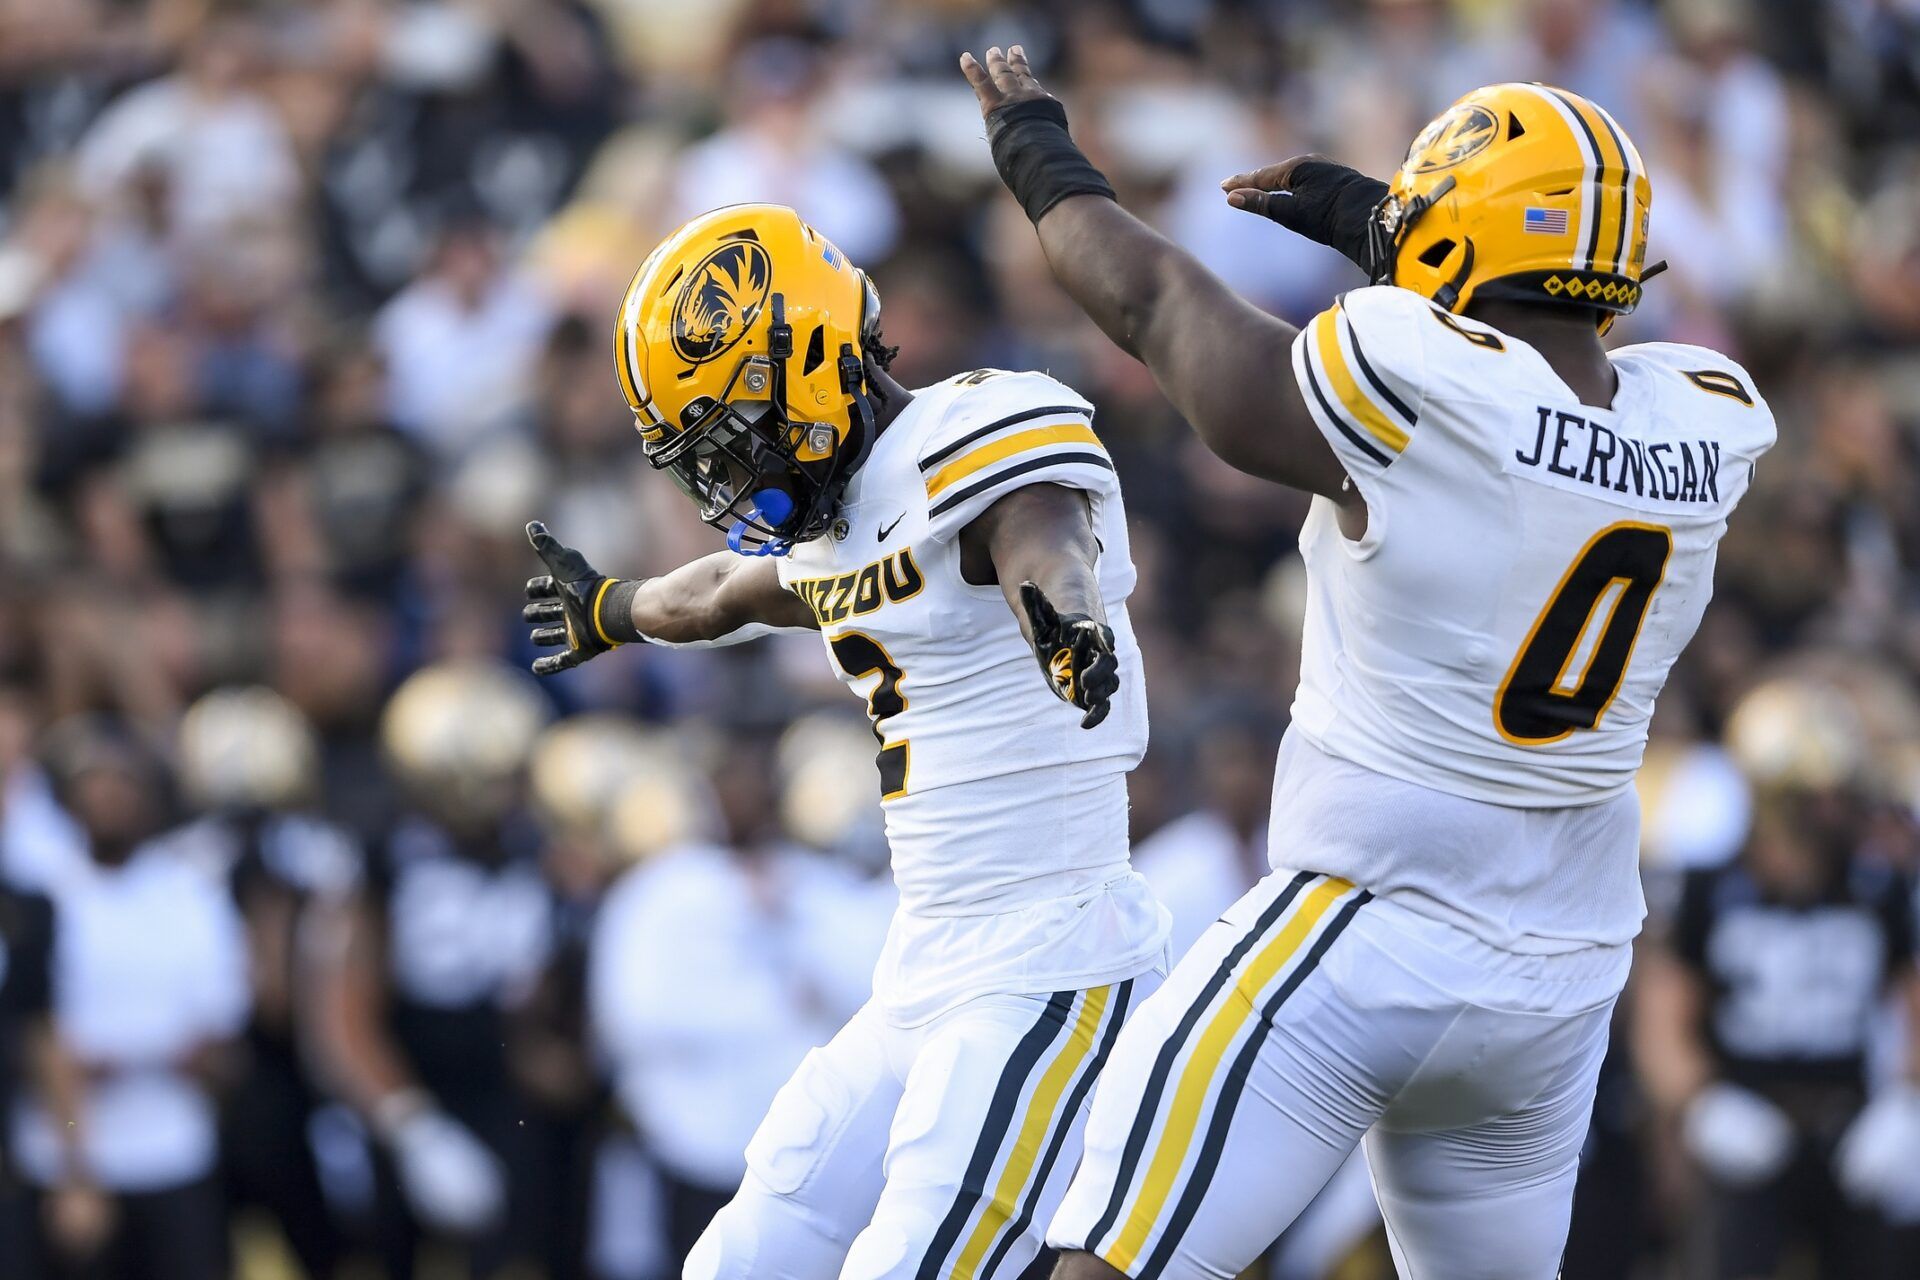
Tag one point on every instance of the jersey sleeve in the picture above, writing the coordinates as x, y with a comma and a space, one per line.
1004, 432
1714, 393
1361, 367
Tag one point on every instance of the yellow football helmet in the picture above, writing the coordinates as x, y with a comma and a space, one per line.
743, 347
1522, 192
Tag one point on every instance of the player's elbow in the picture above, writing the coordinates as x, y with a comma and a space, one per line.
1240, 444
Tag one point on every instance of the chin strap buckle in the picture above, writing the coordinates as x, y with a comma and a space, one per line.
1390, 223
779, 332
1449, 293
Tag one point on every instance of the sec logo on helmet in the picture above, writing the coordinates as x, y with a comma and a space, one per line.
720, 299
1458, 134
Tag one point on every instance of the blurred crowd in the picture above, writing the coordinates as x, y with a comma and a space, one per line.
331, 944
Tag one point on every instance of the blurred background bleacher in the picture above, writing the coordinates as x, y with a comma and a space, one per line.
305, 309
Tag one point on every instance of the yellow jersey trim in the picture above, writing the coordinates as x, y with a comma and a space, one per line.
1333, 362
1000, 450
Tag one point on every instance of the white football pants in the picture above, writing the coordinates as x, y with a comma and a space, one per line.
932, 1151
1311, 1017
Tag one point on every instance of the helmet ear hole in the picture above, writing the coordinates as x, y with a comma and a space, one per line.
1436, 253
1514, 128
816, 350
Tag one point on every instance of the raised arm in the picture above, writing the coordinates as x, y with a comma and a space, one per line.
1223, 363
1038, 544
715, 600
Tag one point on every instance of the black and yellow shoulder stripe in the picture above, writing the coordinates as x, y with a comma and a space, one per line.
1352, 394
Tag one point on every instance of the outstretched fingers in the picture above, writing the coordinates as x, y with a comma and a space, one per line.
1002, 76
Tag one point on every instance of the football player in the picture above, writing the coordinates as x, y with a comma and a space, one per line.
1512, 538
938, 540
1757, 1011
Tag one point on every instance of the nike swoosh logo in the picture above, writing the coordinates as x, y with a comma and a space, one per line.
887, 529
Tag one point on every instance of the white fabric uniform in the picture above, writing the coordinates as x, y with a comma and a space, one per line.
150, 962
709, 979
1023, 935
1198, 867
1477, 675
1007, 821
1532, 567
1310, 1017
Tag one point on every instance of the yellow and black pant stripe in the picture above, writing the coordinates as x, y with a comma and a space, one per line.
1025, 1132
1350, 393
1174, 1148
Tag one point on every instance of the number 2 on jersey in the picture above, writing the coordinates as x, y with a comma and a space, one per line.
1544, 698
860, 655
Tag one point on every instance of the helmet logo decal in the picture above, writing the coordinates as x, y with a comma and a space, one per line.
720, 299
1455, 136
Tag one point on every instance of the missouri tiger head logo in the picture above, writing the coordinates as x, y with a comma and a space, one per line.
1457, 134
720, 299
1060, 668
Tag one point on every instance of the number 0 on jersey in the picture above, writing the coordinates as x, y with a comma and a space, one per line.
1549, 692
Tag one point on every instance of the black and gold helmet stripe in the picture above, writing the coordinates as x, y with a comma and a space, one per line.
1613, 167
1629, 173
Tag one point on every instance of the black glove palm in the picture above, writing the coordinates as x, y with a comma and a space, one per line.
1076, 653
566, 595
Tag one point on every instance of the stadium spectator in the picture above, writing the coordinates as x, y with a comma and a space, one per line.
1757, 1014
428, 963
301, 305
150, 991
716, 966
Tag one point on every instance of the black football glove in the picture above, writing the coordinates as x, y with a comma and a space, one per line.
1076, 653
1326, 202
562, 604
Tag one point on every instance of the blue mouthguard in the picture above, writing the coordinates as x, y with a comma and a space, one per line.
772, 508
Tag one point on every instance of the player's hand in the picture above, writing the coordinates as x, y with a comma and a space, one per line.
78, 1217
1320, 199
452, 1180
560, 604
1076, 653
1738, 1137
1878, 1159
1003, 80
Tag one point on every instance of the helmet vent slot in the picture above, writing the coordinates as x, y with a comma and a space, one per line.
816, 350
747, 233
1514, 128
1436, 253
1556, 193
677, 273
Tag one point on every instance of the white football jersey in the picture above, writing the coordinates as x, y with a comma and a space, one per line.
1532, 565
1479, 669
1007, 820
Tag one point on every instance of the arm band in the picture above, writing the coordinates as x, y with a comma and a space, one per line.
1037, 157
613, 613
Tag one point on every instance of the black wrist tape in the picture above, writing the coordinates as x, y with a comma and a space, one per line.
613, 614
1038, 159
1333, 205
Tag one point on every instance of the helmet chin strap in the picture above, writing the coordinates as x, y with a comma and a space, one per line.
1390, 224
772, 506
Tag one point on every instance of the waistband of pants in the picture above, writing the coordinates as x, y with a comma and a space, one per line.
1484, 974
